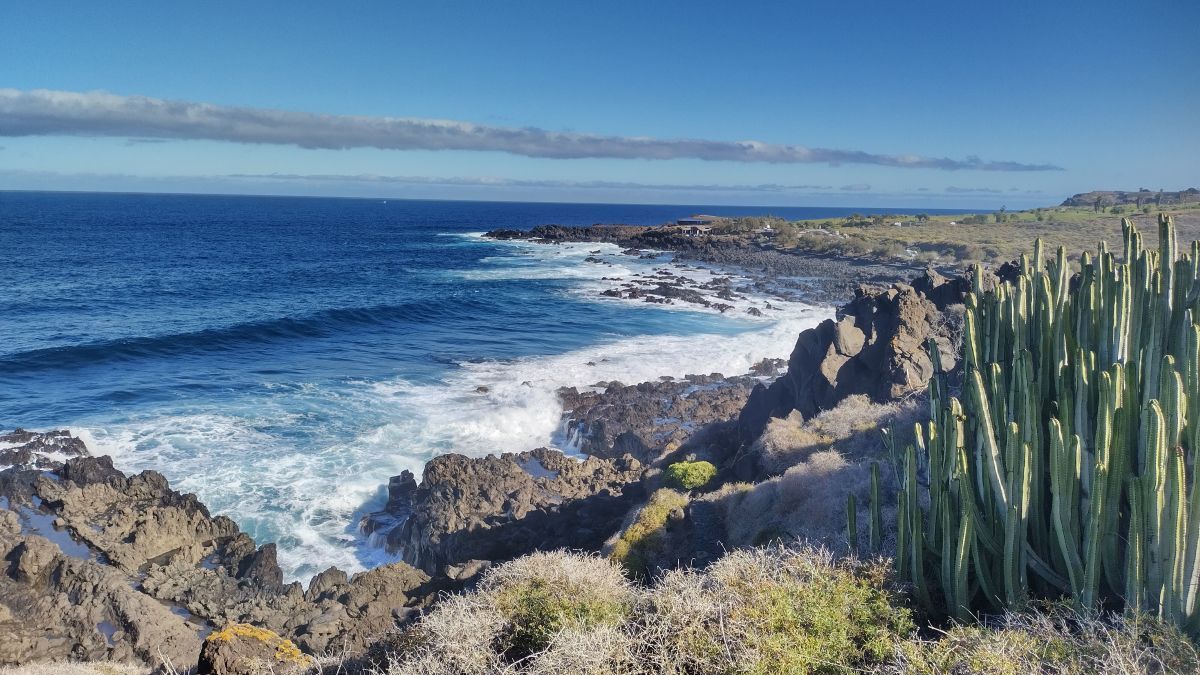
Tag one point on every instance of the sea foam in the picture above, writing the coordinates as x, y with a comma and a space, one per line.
300, 465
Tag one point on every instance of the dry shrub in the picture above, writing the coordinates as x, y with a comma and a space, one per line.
1054, 640
852, 428
457, 637
772, 611
808, 502
815, 465
600, 650
531, 615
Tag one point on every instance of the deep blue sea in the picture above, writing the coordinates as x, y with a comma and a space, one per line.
282, 357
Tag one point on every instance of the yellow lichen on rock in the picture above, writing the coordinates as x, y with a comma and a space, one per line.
284, 650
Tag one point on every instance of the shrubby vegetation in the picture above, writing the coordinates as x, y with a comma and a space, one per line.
645, 540
690, 475
777, 610
1053, 639
995, 237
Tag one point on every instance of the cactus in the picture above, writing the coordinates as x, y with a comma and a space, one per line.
1066, 467
852, 522
875, 534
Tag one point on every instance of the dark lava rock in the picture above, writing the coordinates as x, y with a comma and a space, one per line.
497, 508
876, 346
108, 567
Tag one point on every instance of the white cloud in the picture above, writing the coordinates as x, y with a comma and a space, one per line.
42, 112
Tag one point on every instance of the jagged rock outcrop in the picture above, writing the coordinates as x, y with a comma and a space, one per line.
101, 566
643, 419
468, 510
39, 450
875, 346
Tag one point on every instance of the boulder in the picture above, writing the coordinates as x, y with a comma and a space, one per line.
243, 649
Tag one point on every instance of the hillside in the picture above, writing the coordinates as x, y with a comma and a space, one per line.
1138, 198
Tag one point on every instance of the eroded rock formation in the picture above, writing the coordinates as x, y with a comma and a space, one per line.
877, 346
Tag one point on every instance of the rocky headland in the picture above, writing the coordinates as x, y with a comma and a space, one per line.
820, 278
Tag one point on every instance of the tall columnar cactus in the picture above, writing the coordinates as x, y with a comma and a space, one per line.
1067, 464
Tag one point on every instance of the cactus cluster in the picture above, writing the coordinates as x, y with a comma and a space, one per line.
1066, 466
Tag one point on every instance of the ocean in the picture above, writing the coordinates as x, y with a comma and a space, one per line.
281, 357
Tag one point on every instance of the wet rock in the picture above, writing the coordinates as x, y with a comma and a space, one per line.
91, 470
653, 413
262, 569
31, 449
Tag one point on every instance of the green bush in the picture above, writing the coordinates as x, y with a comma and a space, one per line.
690, 475
538, 610
777, 611
540, 596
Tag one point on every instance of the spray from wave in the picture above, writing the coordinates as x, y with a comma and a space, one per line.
300, 464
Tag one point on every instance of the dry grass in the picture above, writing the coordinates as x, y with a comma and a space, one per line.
1055, 640
75, 669
852, 428
817, 463
807, 503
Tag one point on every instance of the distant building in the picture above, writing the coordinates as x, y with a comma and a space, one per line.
696, 225
696, 220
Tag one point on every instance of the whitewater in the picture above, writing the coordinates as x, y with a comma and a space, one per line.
282, 358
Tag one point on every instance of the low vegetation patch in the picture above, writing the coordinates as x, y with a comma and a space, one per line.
690, 475
763, 611
1053, 640
542, 613
643, 541
775, 610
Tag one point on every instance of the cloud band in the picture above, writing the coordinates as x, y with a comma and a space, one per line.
43, 112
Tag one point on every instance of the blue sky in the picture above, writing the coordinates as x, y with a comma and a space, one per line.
1106, 93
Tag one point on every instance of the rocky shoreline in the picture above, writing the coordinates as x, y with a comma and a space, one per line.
821, 279
109, 567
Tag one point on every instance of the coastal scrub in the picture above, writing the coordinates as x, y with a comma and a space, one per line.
776, 610
690, 475
643, 541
